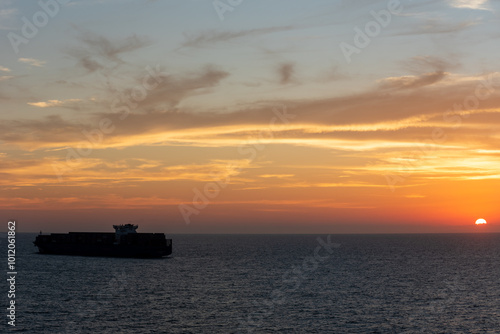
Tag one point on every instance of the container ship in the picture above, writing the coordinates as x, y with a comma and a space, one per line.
125, 242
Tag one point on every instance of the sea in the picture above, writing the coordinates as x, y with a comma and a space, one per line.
418, 283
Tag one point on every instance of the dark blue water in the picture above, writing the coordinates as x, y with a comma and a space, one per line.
263, 284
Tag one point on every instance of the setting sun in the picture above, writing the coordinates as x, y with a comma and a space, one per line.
481, 222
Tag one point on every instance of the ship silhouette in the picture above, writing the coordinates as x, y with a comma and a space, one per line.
125, 242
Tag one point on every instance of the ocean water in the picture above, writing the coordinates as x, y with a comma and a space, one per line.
267, 283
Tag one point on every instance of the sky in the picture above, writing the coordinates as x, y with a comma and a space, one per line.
285, 116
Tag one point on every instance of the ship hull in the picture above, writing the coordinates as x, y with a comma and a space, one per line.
107, 251
139, 245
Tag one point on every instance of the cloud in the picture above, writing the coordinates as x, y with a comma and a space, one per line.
4, 69
173, 89
375, 119
168, 92
7, 13
7, 17
5, 77
32, 62
98, 52
277, 176
213, 36
415, 196
420, 64
427, 70
111, 50
53, 103
334, 73
408, 82
93, 171
437, 26
285, 72
51, 129
89, 64
469, 4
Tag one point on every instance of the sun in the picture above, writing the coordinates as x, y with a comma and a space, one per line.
481, 221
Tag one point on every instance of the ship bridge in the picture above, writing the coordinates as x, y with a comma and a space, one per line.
121, 230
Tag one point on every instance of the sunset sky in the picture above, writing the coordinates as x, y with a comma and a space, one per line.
282, 116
